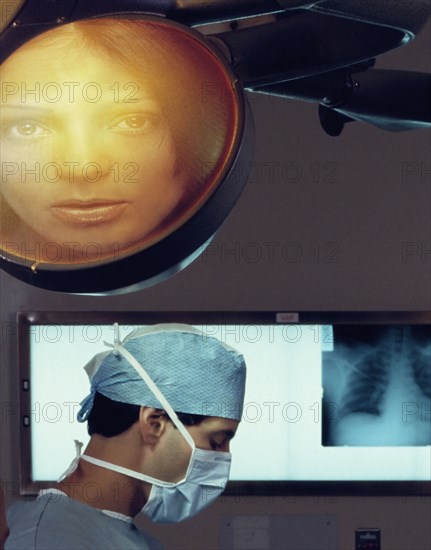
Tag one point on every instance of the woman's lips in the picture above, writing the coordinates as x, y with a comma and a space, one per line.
91, 213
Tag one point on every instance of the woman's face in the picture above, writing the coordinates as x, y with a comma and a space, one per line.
88, 160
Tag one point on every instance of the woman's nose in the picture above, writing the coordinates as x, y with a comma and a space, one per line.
83, 156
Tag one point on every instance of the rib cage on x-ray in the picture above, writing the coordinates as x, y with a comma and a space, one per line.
421, 364
387, 377
366, 384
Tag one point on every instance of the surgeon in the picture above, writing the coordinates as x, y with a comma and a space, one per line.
163, 407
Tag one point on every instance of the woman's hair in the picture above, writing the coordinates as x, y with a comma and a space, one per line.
182, 75
110, 418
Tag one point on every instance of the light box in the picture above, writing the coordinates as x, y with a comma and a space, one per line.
336, 403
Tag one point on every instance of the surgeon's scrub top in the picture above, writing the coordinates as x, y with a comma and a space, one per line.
56, 521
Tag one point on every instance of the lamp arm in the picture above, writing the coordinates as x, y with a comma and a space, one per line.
389, 99
303, 42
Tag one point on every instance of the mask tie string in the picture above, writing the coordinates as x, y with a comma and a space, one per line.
117, 342
74, 463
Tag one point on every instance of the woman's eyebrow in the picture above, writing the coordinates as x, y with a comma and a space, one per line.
108, 101
136, 101
28, 107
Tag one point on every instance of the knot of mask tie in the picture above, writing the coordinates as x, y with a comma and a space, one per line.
117, 342
87, 403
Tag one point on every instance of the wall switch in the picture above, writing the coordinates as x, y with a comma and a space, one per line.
367, 539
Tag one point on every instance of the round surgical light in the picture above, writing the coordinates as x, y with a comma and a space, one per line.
121, 142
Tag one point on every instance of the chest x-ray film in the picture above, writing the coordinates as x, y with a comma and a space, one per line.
377, 387
323, 402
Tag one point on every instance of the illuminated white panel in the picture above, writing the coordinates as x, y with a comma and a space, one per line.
280, 437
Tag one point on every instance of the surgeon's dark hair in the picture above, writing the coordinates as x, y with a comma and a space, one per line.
110, 418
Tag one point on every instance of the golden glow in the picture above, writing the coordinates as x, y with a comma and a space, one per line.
113, 133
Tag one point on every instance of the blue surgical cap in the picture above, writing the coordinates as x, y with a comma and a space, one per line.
195, 372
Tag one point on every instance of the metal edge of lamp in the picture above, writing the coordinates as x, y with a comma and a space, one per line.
178, 249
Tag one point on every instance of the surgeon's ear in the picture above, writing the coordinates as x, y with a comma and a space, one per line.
152, 424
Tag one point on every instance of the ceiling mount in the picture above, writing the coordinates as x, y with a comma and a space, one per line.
162, 136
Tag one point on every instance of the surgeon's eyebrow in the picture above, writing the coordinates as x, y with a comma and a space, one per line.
230, 434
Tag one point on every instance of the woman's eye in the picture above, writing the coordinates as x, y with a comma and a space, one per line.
136, 123
26, 129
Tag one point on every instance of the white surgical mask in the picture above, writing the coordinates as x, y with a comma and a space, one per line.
204, 482
205, 479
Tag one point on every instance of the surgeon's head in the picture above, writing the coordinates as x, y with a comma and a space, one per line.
109, 137
176, 396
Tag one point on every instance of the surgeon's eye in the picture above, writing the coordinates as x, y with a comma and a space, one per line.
25, 129
136, 123
218, 446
